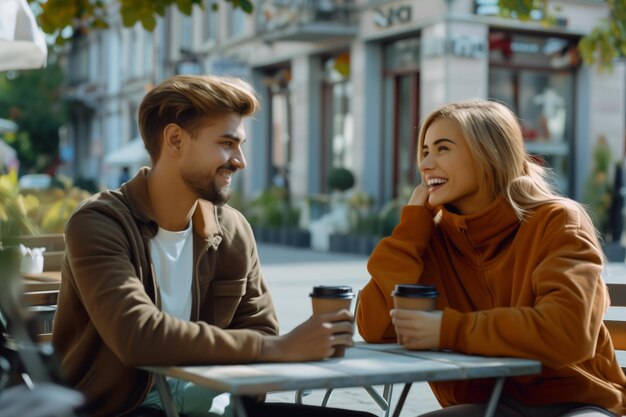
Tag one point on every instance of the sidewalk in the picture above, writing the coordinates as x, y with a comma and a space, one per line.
291, 273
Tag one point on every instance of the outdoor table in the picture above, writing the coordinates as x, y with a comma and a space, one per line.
44, 281
364, 365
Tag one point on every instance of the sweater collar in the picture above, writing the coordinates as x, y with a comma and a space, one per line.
204, 219
486, 227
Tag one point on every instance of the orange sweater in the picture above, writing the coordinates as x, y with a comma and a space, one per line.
532, 289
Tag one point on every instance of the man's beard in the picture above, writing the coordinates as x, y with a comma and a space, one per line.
210, 192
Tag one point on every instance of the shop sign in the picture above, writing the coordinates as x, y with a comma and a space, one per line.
462, 46
392, 16
229, 67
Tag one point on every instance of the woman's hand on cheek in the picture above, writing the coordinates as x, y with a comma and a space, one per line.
417, 330
419, 196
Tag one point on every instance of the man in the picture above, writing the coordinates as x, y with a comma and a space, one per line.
162, 272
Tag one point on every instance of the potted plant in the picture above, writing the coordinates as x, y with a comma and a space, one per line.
364, 230
339, 181
598, 189
275, 220
613, 249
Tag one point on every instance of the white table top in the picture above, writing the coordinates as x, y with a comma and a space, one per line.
365, 364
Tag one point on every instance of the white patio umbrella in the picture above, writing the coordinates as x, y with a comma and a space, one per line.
8, 155
22, 43
130, 154
7, 126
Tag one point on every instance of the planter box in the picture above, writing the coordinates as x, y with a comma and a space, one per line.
299, 238
350, 243
283, 236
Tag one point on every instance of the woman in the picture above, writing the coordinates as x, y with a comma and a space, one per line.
518, 270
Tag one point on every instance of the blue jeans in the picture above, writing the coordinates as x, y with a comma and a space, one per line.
192, 400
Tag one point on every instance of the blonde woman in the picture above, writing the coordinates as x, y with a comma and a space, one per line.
517, 266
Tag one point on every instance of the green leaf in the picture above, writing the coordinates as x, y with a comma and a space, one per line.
148, 22
160, 7
129, 20
247, 6
100, 24
185, 6
215, 7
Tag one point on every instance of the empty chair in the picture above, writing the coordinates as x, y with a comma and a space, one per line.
615, 319
40, 309
53, 242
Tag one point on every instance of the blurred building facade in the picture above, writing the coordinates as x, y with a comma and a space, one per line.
346, 83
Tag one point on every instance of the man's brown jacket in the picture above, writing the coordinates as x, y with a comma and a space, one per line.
109, 321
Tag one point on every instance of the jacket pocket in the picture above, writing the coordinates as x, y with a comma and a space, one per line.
227, 296
231, 288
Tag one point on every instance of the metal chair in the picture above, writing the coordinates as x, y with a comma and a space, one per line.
615, 320
34, 362
53, 242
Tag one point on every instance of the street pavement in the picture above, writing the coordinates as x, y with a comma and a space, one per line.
291, 273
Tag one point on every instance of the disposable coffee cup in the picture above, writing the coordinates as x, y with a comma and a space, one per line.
415, 297
327, 299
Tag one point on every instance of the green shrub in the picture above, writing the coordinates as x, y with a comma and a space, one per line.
340, 179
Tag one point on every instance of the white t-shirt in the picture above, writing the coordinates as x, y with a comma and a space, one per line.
172, 255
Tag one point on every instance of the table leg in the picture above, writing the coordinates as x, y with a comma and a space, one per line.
402, 399
387, 393
301, 394
380, 400
495, 397
166, 396
239, 410
329, 391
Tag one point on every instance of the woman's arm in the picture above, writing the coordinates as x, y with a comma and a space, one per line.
396, 260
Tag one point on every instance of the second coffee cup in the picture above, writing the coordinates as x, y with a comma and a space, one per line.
415, 297
327, 299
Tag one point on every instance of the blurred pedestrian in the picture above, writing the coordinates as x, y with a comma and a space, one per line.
124, 175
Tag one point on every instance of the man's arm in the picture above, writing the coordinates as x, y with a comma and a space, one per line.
313, 340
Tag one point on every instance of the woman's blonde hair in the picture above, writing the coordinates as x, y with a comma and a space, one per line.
494, 137
189, 99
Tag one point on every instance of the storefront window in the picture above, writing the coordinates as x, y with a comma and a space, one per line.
280, 125
401, 117
338, 141
535, 77
403, 53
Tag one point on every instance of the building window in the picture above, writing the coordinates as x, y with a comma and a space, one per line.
535, 77
338, 125
133, 56
277, 81
186, 33
79, 62
133, 121
236, 21
210, 27
401, 117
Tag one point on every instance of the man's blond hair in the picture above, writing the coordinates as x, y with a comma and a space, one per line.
187, 100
